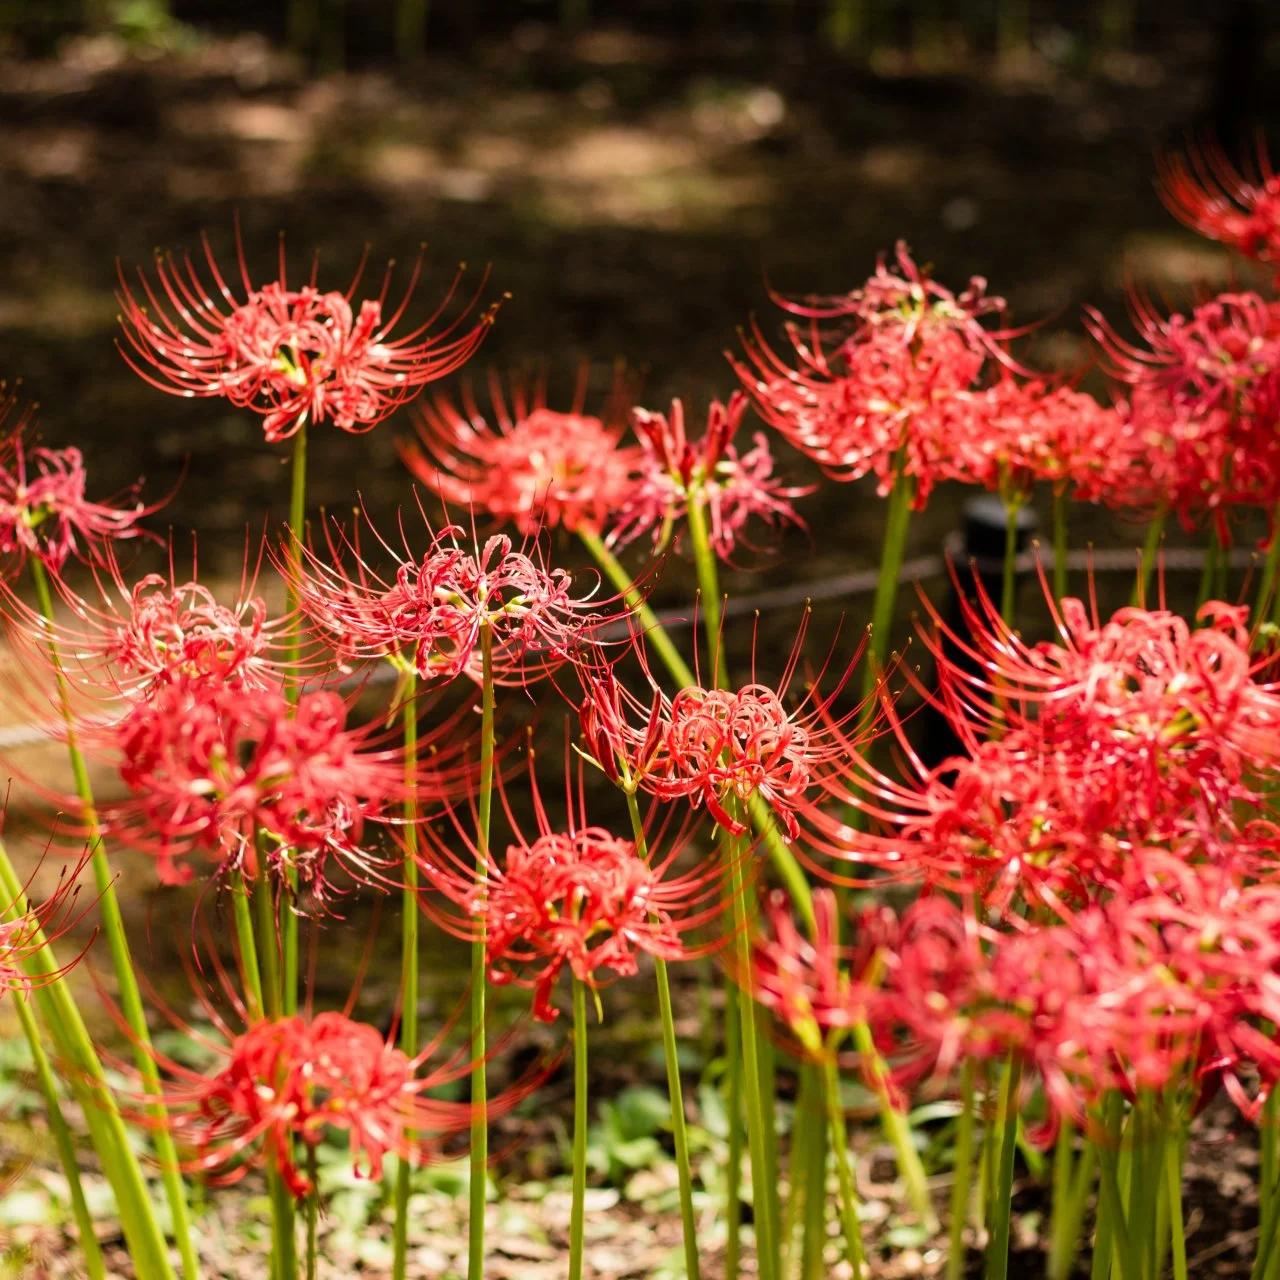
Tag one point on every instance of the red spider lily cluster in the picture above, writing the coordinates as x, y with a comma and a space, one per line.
1089, 885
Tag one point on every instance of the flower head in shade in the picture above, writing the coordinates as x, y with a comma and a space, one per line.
672, 471
873, 397
1204, 190
722, 747
429, 613
242, 777
532, 466
292, 355
44, 510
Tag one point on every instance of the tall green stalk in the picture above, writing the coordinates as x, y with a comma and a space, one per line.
1059, 543
1150, 556
763, 1197
671, 1055
892, 551
577, 1212
293, 690
1009, 575
1002, 1192
90, 1252
118, 943
1213, 554
1265, 602
850, 1227
814, 1148
479, 1185
408, 952
896, 1129
62, 1020
962, 1187
284, 1246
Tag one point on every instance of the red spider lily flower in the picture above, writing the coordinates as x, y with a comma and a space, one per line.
580, 897
722, 747
26, 929
428, 616
43, 508
290, 355
874, 398
672, 472
296, 1080
1206, 397
125, 639
1207, 193
535, 467
244, 778
1018, 432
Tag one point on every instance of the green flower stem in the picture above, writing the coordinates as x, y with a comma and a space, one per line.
1072, 1183
1002, 1192
61, 1016
293, 690
850, 1226
671, 1053
633, 598
578, 1211
1150, 557
704, 560
1059, 543
313, 1210
284, 1255
245, 943
1265, 603
89, 1249
962, 1187
408, 953
1213, 553
897, 1129
733, 1111
769, 1092
812, 1265
1111, 1237
118, 943
784, 861
1009, 577
892, 551
762, 1195
479, 1082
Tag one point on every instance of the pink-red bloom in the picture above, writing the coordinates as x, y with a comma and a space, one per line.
875, 396
26, 929
534, 467
1204, 400
429, 616
673, 471
1210, 195
283, 1086
245, 778
290, 355
579, 897
721, 747
43, 508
